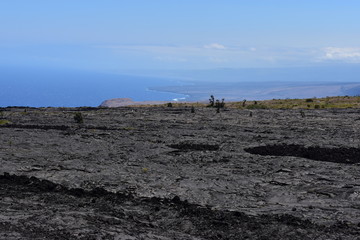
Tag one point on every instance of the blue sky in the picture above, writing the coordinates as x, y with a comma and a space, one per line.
118, 35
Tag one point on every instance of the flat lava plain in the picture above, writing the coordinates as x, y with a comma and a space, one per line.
168, 173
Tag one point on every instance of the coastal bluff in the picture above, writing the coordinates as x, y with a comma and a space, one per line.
122, 102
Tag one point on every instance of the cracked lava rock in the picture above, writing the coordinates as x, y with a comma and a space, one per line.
168, 173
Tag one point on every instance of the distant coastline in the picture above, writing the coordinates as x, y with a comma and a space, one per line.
303, 103
262, 90
70, 88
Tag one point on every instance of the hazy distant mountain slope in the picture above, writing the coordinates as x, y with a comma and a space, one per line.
263, 90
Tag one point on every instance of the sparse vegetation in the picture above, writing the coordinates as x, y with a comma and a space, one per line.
256, 106
324, 103
302, 113
219, 104
211, 101
4, 122
129, 128
169, 104
79, 118
216, 103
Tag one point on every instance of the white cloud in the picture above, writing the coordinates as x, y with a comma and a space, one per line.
345, 54
234, 56
215, 46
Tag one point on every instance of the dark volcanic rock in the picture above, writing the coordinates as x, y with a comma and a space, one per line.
337, 155
195, 146
167, 173
62, 213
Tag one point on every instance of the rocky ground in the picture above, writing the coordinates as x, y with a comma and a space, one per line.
168, 173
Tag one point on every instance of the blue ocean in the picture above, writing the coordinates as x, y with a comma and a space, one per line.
72, 88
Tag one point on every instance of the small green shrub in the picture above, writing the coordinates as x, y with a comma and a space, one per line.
78, 117
4, 122
216, 103
302, 113
211, 101
169, 104
256, 106
219, 104
129, 128
309, 100
317, 106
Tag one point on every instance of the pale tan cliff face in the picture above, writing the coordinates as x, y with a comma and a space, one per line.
117, 102
122, 102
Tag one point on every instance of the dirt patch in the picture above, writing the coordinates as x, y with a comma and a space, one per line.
337, 155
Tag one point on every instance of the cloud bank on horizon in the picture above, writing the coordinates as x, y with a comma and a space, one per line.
237, 56
345, 54
204, 34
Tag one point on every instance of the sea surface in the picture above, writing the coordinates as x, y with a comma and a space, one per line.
70, 88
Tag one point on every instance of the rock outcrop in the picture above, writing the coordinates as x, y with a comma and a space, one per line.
122, 102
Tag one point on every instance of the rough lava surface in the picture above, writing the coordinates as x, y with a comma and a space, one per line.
168, 173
